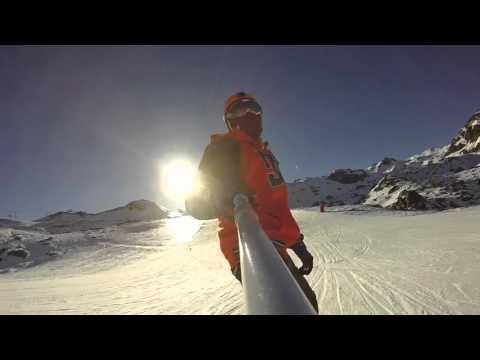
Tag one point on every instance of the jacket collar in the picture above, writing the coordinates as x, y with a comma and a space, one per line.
239, 135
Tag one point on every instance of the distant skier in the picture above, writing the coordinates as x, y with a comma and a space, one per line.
239, 162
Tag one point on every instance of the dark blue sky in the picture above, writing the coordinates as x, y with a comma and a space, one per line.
84, 127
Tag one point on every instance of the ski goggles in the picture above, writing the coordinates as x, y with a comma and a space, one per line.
242, 108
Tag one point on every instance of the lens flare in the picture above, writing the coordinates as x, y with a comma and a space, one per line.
180, 179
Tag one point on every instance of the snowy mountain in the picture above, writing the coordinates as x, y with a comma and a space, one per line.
468, 139
438, 178
68, 221
7, 223
25, 244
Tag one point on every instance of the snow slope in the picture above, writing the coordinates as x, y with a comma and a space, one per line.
25, 244
367, 261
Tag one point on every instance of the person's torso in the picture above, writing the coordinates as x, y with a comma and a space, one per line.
259, 170
260, 173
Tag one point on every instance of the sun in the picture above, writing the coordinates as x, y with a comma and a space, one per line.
179, 179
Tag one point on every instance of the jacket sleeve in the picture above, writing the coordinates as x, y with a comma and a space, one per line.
219, 172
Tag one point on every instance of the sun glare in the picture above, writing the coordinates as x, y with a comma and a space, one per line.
179, 179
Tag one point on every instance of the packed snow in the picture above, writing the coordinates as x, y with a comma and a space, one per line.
367, 261
29, 243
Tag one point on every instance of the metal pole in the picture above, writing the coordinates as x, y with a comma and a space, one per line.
269, 287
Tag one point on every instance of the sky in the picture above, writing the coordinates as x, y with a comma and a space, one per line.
88, 127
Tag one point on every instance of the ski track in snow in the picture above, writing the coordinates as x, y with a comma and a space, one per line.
365, 264
364, 279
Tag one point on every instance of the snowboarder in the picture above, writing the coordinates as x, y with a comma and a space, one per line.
240, 162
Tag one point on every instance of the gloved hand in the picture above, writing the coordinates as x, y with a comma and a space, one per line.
237, 272
300, 249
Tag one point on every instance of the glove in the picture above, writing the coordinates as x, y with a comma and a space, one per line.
237, 272
300, 249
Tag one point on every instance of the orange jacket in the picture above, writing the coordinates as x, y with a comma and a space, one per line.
252, 164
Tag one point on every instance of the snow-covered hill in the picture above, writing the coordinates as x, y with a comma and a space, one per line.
438, 178
25, 244
68, 221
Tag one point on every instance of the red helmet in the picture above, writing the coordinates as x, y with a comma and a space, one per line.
238, 105
236, 97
